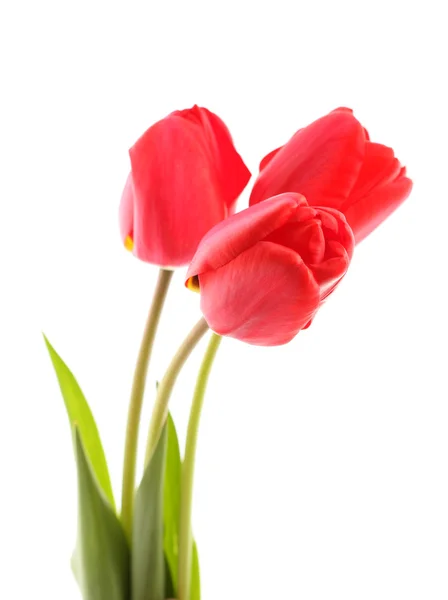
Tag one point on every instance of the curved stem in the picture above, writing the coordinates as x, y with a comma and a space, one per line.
185, 536
160, 410
136, 400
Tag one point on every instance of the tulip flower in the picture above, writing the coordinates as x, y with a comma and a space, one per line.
333, 163
263, 272
185, 177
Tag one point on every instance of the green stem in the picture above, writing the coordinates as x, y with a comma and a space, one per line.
136, 400
160, 410
185, 535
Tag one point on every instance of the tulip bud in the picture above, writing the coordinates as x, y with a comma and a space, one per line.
333, 163
185, 177
264, 272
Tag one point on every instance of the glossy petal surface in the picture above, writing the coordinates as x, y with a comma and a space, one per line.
264, 296
371, 210
321, 161
241, 231
171, 184
232, 173
381, 187
264, 272
185, 177
333, 163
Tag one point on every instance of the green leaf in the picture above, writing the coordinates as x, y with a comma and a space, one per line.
171, 500
169, 588
171, 512
102, 553
148, 560
195, 584
80, 415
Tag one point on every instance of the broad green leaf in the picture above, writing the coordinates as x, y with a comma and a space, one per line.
171, 512
102, 553
79, 414
148, 560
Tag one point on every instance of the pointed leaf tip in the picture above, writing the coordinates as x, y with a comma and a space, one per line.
79, 413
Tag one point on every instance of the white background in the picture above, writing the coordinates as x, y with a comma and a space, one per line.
323, 465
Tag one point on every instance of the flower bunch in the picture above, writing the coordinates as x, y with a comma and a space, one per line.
262, 275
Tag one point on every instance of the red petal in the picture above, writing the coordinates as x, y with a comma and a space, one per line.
177, 199
321, 161
126, 212
267, 159
350, 110
342, 109
371, 210
381, 187
192, 114
232, 173
379, 168
344, 233
241, 231
330, 221
186, 177
330, 272
307, 239
264, 296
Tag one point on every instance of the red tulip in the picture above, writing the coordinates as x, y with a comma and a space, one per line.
263, 272
333, 163
185, 177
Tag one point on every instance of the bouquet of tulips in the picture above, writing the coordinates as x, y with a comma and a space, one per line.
262, 275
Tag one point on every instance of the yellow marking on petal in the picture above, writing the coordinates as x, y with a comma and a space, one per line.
129, 243
193, 284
